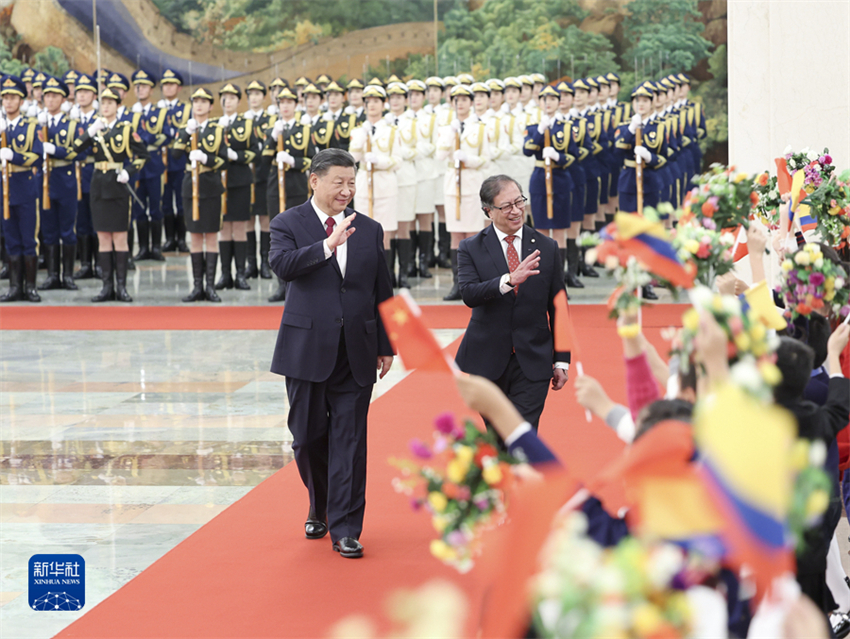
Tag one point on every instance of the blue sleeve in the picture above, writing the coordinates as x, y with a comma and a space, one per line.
529, 448
602, 527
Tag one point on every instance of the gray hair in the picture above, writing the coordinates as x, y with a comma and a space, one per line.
491, 188
325, 159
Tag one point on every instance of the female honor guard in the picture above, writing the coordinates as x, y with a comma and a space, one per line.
426, 176
292, 162
443, 115
553, 157
376, 145
464, 144
209, 159
119, 154
406, 132
21, 154
242, 145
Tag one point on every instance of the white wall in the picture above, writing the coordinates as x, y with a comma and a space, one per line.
789, 80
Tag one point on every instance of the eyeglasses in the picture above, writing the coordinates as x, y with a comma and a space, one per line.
517, 204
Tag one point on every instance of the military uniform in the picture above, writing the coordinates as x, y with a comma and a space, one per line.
86, 236
177, 115
262, 120
21, 229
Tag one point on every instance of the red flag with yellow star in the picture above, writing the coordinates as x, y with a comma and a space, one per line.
412, 340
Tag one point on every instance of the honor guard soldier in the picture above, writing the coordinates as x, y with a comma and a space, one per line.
70, 79
539, 81
149, 121
355, 100
464, 146
406, 133
320, 129
21, 153
85, 113
35, 107
695, 121
622, 114
336, 116
243, 145
288, 151
593, 167
300, 84
376, 145
274, 88
481, 108
449, 83
59, 210
605, 213
442, 115
551, 144
256, 94
679, 120
120, 85
596, 134
177, 115
204, 142
322, 82
27, 76
425, 164
119, 154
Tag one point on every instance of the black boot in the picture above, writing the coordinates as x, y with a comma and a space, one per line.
280, 293
265, 245
4, 256
69, 254
30, 272
197, 294
239, 251
143, 229
251, 271
426, 250
391, 261
444, 243
170, 242
180, 233
210, 262
412, 271
156, 241
131, 265
107, 293
53, 280
585, 269
84, 245
226, 252
405, 259
454, 294
571, 278
95, 251
390, 258
121, 293
648, 293
562, 260
16, 280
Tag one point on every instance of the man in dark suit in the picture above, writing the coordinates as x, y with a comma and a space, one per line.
509, 274
330, 339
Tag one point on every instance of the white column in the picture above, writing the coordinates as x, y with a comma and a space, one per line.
789, 80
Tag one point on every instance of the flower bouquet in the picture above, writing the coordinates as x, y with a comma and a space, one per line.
810, 496
750, 347
828, 195
635, 589
766, 208
631, 277
722, 195
704, 249
809, 282
461, 480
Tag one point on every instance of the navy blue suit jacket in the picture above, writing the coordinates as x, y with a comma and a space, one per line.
320, 302
501, 324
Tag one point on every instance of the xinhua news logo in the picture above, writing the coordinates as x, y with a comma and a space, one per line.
57, 582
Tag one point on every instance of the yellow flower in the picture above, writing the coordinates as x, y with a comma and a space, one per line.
630, 330
816, 255
829, 284
690, 320
692, 246
465, 454
492, 474
770, 373
758, 332
442, 551
829, 296
740, 177
717, 304
742, 341
439, 523
787, 265
456, 470
817, 503
799, 455
809, 189
803, 258
646, 619
438, 501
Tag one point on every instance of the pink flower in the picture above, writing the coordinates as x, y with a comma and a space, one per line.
416, 504
710, 224
463, 493
440, 444
826, 159
714, 200
456, 538
419, 449
816, 279
445, 423
736, 325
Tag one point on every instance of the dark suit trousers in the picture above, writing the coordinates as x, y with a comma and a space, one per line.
328, 424
528, 397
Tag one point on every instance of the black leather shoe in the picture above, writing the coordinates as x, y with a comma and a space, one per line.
648, 293
315, 529
840, 622
586, 270
348, 548
572, 281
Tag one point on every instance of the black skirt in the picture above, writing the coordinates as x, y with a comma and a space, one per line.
109, 216
210, 215
238, 204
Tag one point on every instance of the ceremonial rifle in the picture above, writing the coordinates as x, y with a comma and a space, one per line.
639, 171
547, 141
196, 212
458, 169
46, 184
6, 213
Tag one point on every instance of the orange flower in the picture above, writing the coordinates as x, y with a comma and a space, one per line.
845, 232
817, 303
708, 209
754, 197
763, 178
485, 450
450, 490
803, 309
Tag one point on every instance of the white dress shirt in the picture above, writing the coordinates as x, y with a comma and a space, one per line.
342, 249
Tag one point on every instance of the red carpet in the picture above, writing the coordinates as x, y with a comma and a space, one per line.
250, 572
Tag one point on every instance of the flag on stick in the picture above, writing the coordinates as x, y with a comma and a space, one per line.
412, 340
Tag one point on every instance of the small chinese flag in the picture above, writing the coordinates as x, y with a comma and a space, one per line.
783, 178
413, 341
565, 338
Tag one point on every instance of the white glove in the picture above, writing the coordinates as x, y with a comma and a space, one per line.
550, 153
224, 121
74, 113
6, 154
232, 155
162, 104
455, 126
306, 119
272, 110
543, 124
123, 177
641, 152
248, 115
277, 130
191, 126
460, 156
95, 126
198, 156
358, 138
42, 117
49, 148
95, 105
348, 110
138, 108
66, 106
32, 112
634, 123
285, 158
371, 158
